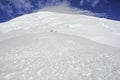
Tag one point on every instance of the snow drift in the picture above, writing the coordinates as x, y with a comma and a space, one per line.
56, 46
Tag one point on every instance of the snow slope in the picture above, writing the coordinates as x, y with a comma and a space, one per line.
97, 29
55, 46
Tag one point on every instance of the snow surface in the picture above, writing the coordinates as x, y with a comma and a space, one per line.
58, 46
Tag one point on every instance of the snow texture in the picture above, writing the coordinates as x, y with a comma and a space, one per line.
56, 46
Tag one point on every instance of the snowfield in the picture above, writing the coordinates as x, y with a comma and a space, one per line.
58, 46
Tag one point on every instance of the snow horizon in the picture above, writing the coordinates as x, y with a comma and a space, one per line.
13, 8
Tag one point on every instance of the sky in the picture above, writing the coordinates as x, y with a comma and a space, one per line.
10, 9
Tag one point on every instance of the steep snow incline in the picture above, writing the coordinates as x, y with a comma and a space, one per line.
56, 46
96, 29
55, 56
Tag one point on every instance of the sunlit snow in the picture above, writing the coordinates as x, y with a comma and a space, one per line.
58, 46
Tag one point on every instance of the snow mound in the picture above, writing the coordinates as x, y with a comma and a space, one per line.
96, 29
56, 46
56, 56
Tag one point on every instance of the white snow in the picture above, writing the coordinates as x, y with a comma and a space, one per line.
96, 29
58, 46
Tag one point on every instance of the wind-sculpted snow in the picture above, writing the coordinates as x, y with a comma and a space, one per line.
55, 56
97, 29
55, 46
